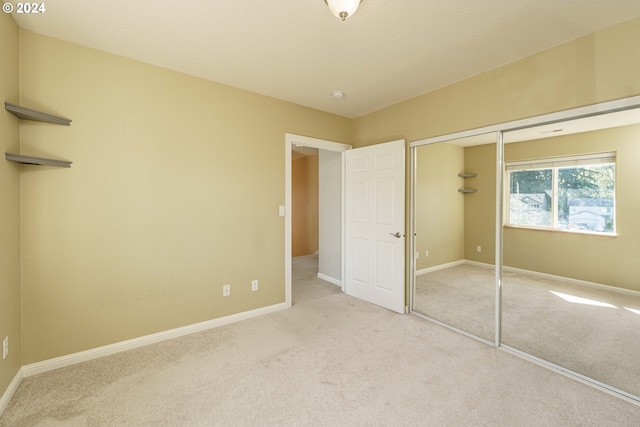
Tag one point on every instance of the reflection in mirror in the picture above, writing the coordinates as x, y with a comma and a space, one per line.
455, 233
571, 245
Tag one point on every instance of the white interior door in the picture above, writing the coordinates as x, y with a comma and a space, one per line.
375, 242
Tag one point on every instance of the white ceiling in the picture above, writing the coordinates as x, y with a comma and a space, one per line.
295, 50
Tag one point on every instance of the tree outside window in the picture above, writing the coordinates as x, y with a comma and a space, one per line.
572, 198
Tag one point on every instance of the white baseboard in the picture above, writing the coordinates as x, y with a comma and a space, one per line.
330, 279
479, 264
564, 279
572, 281
505, 268
439, 267
10, 391
95, 353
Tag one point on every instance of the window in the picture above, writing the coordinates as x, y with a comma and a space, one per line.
574, 193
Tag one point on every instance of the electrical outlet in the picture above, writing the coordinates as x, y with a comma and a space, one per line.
254, 285
5, 347
478, 248
417, 254
226, 290
426, 253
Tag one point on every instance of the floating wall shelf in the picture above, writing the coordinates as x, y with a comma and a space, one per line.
25, 113
39, 161
467, 175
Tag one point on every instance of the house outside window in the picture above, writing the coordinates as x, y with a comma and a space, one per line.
574, 194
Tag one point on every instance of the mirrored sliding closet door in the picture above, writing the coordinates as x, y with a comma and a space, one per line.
527, 237
455, 233
571, 245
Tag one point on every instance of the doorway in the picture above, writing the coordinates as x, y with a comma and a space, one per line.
310, 280
328, 264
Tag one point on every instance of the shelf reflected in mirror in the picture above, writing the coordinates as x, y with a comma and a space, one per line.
455, 234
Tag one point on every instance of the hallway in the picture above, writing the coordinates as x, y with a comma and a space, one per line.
305, 283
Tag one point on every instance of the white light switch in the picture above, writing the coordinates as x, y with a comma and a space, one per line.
281, 210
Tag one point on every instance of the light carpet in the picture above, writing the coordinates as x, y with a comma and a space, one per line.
332, 360
591, 331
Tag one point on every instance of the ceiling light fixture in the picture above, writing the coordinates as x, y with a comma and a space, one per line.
343, 8
337, 94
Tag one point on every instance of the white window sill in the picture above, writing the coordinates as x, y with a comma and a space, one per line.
557, 230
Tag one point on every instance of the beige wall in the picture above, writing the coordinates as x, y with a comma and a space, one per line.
612, 261
304, 206
173, 191
439, 205
451, 224
599, 67
10, 304
480, 207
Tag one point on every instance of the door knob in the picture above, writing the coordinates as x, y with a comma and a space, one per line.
396, 234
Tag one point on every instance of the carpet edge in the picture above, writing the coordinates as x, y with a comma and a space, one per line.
107, 350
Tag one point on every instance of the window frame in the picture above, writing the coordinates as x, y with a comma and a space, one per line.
555, 164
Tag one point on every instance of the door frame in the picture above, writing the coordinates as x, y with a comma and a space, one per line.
321, 144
